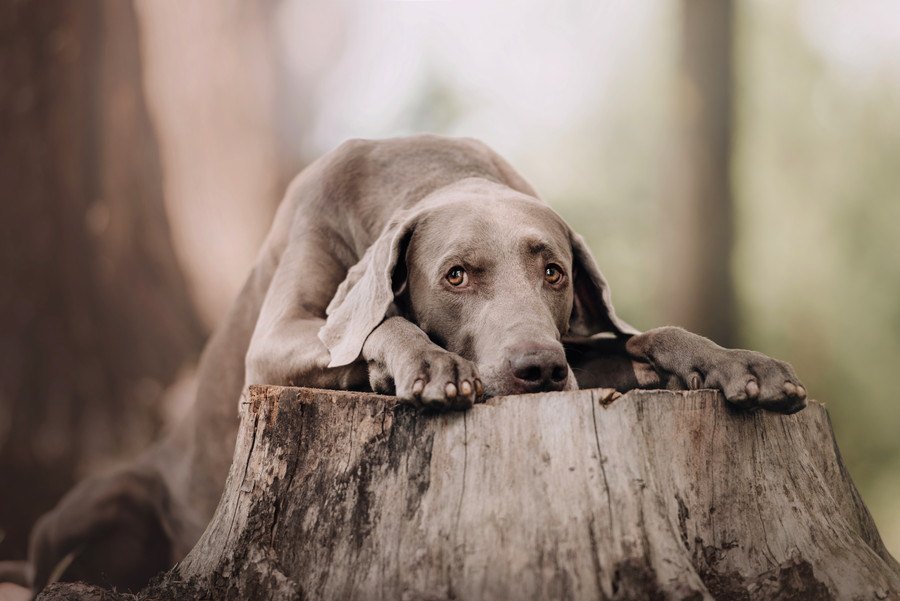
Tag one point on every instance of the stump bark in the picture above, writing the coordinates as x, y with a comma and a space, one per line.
656, 495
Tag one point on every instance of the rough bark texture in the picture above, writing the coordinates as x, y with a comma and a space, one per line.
657, 495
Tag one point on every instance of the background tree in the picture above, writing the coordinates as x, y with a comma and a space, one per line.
95, 317
698, 288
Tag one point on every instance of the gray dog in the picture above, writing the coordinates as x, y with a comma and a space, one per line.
424, 267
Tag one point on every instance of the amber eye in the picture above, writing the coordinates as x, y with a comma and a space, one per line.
457, 276
553, 274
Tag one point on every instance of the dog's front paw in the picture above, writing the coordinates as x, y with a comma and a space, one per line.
439, 379
749, 379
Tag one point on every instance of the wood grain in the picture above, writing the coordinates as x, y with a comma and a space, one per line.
656, 495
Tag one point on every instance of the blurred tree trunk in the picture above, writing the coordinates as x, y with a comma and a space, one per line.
94, 312
698, 289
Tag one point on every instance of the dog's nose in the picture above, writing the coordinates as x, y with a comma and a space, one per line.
540, 369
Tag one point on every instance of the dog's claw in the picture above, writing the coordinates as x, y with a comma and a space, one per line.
418, 387
752, 389
450, 390
695, 382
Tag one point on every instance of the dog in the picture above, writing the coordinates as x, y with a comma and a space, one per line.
423, 267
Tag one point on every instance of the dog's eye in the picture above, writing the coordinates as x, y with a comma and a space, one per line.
457, 276
553, 274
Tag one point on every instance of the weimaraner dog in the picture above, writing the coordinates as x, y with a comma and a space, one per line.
424, 267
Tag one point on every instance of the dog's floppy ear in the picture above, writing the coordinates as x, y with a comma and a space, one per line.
364, 297
592, 309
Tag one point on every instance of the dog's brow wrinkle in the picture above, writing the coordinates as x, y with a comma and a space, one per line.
472, 260
536, 247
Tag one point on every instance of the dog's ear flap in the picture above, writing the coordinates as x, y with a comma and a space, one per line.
592, 308
363, 299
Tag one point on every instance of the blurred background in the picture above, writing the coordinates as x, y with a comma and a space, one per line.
735, 166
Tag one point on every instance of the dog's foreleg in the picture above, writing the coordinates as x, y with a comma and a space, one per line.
291, 354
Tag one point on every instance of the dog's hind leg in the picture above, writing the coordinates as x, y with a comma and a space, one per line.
113, 530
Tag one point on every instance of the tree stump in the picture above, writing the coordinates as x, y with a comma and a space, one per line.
656, 495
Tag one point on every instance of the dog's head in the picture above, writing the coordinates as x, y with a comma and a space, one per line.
488, 273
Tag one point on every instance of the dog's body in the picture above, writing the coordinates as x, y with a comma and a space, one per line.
424, 267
